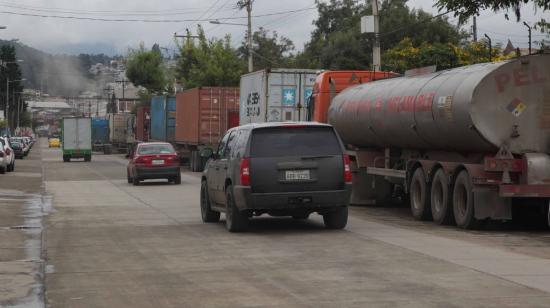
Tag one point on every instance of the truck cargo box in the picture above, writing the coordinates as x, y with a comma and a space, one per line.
275, 95
203, 115
163, 118
77, 138
142, 124
100, 130
118, 127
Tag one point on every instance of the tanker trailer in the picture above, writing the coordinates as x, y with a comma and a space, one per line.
462, 144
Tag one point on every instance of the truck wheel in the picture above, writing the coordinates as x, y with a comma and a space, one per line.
420, 196
548, 214
66, 158
337, 219
88, 158
442, 211
135, 181
463, 202
3, 170
235, 220
206, 211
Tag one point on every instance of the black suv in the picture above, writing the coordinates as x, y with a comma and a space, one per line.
282, 169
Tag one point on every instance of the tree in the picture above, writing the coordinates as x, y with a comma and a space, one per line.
268, 50
465, 9
337, 43
11, 72
145, 68
209, 63
406, 55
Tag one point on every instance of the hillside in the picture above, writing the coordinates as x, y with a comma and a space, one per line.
58, 75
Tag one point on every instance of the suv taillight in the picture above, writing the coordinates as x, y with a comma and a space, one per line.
245, 171
347, 169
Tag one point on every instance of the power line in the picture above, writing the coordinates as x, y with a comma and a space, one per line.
198, 19
144, 20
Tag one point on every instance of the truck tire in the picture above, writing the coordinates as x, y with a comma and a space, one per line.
195, 161
337, 219
441, 205
463, 202
88, 158
177, 179
235, 220
107, 149
420, 196
206, 211
66, 158
2, 170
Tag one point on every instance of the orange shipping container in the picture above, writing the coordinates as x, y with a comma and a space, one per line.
203, 115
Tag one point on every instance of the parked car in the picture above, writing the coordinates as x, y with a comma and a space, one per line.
54, 143
154, 160
17, 149
9, 154
26, 147
281, 169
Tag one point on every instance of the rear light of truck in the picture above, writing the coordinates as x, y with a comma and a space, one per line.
347, 169
245, 171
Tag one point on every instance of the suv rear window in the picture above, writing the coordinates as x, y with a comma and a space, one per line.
294, 141
155, 149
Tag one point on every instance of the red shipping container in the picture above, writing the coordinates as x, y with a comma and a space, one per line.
142, 124
203, 115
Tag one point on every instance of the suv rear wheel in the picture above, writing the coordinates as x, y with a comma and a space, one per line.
337, 219
206, 211
235, 220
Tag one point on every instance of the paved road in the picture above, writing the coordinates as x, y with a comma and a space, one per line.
110, 244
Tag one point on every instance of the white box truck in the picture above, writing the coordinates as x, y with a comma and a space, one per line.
276, 95
76, 137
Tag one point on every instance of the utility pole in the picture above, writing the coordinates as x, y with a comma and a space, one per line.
490, 48
123, 82
528, 27
474, 29
376, 59
248, 5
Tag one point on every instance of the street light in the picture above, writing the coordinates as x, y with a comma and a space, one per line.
8, 81
249, 39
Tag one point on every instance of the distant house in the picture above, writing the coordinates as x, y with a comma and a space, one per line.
125, 99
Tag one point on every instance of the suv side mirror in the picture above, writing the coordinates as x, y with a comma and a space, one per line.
208, 153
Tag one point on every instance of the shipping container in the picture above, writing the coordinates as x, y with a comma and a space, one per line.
142, 124
100, 130
118, 131
203, 115
275, 95
163, 118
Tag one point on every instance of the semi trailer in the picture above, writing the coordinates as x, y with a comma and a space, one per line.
462, 145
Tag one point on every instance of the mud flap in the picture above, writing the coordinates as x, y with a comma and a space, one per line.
488, 204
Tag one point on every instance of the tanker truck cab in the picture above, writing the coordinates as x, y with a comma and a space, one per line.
280, 169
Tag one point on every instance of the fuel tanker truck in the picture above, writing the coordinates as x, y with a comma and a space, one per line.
462, 144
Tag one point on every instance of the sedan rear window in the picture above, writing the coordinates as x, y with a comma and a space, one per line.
155, 149
294, 141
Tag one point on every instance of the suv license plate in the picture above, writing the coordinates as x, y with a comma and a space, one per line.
157, 162
292, 175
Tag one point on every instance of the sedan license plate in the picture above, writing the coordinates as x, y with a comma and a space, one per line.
157, 162
293, 175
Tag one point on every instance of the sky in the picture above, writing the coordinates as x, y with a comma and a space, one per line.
76, 36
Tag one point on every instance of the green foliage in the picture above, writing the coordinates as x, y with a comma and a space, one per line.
11, 72
145, 68
269, 50
337, 43
406, 55
209, 62
465, 9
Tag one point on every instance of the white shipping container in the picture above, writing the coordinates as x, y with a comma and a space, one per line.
277, 95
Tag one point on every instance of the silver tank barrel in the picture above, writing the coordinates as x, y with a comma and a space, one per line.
475, 108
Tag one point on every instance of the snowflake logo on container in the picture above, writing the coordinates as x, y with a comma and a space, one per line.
289, 96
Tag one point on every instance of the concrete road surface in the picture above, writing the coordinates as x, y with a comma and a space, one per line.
109, 244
